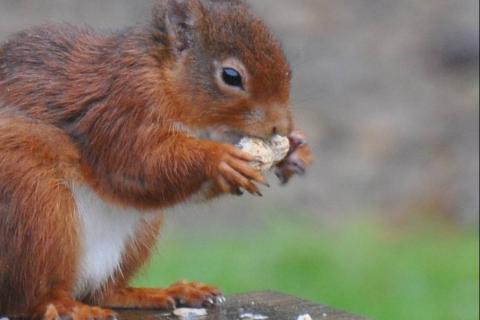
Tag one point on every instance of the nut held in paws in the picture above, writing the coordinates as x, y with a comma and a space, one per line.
268, 153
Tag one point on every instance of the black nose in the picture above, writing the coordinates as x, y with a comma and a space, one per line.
281, 130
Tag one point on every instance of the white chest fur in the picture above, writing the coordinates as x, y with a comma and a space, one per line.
105, 231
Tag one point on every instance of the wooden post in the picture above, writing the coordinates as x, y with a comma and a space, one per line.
253, 306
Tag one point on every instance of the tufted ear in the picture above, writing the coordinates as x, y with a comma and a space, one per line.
174, 21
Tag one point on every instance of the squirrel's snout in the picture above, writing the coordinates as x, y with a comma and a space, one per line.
282, 126
281, 132
267, 122
281, 129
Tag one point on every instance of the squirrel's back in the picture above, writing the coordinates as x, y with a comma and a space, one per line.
56, 72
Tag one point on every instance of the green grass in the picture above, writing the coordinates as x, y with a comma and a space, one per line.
424, 273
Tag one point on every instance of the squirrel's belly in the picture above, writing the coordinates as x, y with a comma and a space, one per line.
105, 231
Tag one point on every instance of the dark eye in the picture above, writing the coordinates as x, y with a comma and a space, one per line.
232, 77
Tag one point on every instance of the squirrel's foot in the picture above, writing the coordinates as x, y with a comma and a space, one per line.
180, 294
297, 160
70, 309
233, 172
195, 295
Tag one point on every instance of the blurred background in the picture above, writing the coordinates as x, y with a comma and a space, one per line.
385, 224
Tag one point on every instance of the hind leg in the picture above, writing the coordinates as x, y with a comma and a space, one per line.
117, 294
58, 304
38, 233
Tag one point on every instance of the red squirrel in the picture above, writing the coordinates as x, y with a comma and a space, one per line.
99, 132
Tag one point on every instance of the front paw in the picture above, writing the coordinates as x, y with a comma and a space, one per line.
231, 171
298, 159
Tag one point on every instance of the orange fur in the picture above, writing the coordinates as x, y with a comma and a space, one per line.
192, 294
137, 116
37, 224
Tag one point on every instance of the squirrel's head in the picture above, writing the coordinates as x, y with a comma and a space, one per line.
229, 71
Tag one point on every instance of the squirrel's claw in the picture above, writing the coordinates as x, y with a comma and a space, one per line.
235, 174
195, 295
